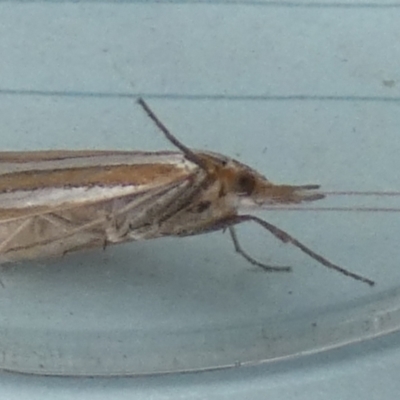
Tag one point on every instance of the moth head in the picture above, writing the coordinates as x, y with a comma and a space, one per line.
250, 188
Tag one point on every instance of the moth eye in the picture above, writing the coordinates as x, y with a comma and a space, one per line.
245, 184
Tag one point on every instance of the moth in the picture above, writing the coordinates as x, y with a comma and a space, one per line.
56, 202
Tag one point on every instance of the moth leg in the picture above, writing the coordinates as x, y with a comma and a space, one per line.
250, 259
286, 238
177, 204
141, 215
85, 246
15, 234
149, 212
58, 221
69, 227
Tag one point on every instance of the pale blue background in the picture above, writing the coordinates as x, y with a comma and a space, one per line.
306, 92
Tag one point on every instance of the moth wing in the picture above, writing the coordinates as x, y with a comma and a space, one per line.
50, 221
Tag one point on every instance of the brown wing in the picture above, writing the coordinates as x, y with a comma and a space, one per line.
52, 203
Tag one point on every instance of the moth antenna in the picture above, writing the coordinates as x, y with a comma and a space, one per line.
189, 154
327, 209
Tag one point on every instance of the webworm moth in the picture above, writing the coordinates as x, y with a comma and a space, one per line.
56, 202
